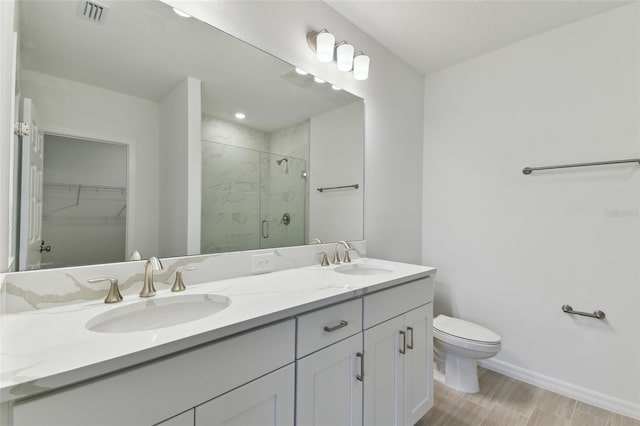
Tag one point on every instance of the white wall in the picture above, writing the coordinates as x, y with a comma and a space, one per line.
94, 113
394, 107
512, 249
180, 167
336, 147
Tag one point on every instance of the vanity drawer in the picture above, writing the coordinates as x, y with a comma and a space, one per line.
386, 304
326, 326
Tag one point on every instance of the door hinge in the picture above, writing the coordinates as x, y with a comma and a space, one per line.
21, 129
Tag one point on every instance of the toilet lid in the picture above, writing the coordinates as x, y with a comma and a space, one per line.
464, 329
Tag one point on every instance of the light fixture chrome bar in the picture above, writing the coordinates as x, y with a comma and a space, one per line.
355, 186
596, 314
528, 170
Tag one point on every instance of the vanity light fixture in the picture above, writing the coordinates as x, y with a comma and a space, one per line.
344, 56
323, 44
181, 13
240, 115
361, 66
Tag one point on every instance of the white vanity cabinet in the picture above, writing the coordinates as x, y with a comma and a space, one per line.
398, 352
156, 391
365, 361
329, 382
379, 377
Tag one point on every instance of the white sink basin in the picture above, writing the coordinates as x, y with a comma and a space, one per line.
158, 313
363, 269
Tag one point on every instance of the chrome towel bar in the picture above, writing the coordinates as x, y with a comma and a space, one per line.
528, 170
596, 314
355, 186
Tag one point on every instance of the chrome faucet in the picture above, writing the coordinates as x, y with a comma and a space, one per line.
336, 254
153, 264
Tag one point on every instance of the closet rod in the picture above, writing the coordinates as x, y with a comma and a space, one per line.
82, 186
528, 170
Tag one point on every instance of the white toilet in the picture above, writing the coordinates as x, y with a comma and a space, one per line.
458, 344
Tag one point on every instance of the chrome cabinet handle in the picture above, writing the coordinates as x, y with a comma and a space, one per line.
265, 234
403, 350
361, 375
410, 330
342, 324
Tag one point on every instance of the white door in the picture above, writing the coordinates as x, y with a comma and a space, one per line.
418, 364
383, 374
329, 391
268, 401
31, 190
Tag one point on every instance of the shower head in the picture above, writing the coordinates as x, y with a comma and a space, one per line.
278, 162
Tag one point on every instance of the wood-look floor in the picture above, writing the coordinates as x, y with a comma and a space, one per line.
503, 401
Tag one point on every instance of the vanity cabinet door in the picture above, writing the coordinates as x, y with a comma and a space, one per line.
418, 364
185, 419
329, 392
398, 387
383, 380
267, 401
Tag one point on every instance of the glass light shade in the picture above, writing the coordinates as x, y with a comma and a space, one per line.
324, 47
345, 57
361, 67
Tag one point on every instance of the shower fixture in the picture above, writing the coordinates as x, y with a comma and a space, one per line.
286, 160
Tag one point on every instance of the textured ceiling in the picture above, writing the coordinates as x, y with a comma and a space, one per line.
431, 35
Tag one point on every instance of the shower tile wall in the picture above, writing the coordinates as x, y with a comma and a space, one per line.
234, 158
230, 198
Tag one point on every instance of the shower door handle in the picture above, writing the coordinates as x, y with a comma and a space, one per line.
265, 233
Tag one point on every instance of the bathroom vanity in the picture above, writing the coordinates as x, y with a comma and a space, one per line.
310, 345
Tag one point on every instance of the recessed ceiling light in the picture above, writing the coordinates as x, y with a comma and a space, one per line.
240, 115
181, 13
318, 80
301, 71
334, 87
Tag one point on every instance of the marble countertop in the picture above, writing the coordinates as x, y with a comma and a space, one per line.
45, 349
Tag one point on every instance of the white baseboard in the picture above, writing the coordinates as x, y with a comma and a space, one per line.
569, 390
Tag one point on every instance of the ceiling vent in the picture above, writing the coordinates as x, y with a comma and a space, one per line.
93, 11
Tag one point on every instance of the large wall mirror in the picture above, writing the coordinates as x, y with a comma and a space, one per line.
137, 140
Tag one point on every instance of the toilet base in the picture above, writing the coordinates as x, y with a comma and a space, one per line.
461, 374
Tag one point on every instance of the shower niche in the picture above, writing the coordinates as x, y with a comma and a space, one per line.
254, 187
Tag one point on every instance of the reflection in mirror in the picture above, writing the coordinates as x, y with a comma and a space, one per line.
84, 202
189, 177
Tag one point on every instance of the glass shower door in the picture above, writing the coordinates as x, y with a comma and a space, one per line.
282, 201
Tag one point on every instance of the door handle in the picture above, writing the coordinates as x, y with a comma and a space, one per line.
410, 331
403, 350
361, 375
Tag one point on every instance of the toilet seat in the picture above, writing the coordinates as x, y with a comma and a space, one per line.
460, 332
